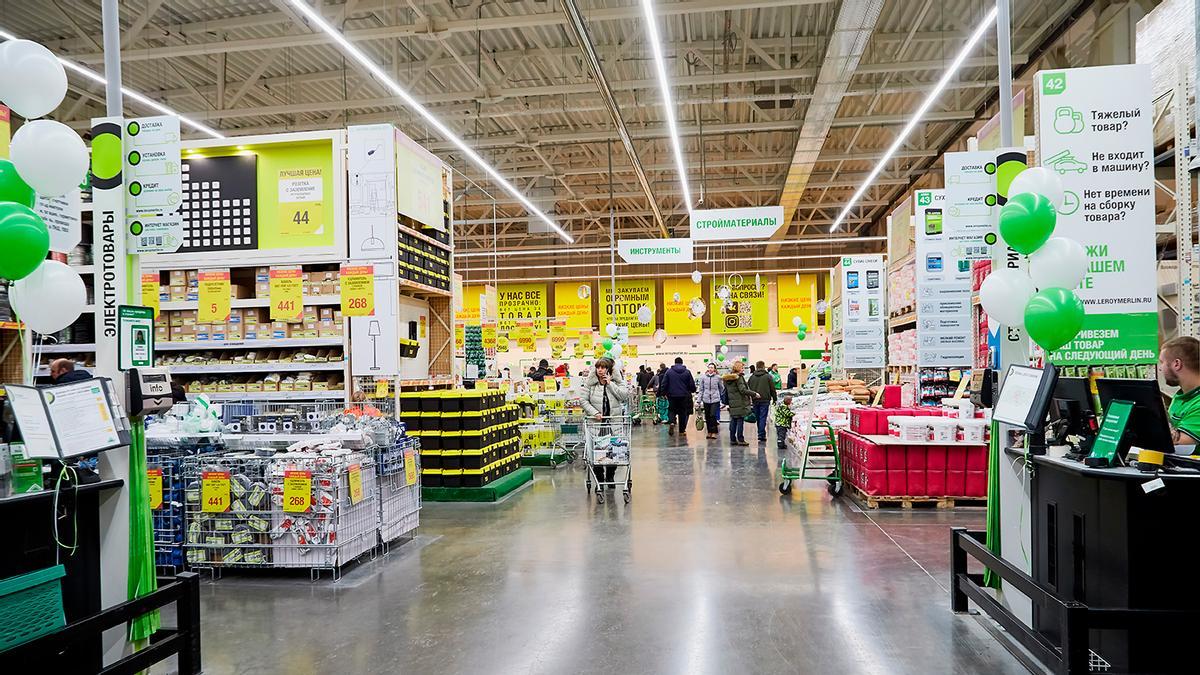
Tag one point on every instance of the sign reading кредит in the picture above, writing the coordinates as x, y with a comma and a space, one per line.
758, 222
654, 251
1102, 147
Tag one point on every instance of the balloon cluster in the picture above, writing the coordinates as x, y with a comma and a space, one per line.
1040, 300
801, 328
48, 159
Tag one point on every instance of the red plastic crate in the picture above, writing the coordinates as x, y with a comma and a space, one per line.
956, 483
977, 458
897, 482
916, 483
935, 471
873, 482
975, 484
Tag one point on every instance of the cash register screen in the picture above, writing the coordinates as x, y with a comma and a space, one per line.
1024, 396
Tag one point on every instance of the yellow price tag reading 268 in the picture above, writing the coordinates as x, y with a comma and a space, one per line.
214, 491
358, 290
354, 474
297, 491
287, 293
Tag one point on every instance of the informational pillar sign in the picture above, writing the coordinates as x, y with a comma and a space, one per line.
1101, 144
154, 184
863, 311
1007, 345
943, 273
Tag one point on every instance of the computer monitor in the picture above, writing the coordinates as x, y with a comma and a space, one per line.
1147, 426
1070, 405
1025, 396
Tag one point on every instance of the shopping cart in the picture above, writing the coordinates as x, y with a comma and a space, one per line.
606, 444
570, 433
648, 410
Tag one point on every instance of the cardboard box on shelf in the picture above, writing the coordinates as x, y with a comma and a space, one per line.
325, 313
187, 316
177, 278
173, 318
218, 331
162, 333
330, 288
236, 315
183, 333
310, 313
235, 331
239, 291
193, 278
203, 332
177, 293
262, 289
280, 330
329, 328
256, 315
262, 274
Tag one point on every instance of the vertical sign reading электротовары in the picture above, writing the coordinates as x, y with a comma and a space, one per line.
1095, 131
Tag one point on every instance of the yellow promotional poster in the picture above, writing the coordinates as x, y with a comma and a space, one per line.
358, 290
568, 305
150, 297
286, 287
585, 340
796, 299
214, 296
297, 491
526, 339
747, 311
297, 200
214, 491
487, 335
632, 295
460, 337
354, 476
470, 305
523, 301
154, 482
558, 337
677, 318
301, 202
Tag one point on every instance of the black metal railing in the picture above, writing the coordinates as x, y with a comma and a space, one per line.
1075, 619
182, 590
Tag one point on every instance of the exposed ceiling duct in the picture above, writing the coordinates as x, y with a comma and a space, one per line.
851, 33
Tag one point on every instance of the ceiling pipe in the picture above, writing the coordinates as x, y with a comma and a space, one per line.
579, 29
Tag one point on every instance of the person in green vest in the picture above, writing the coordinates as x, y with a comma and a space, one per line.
1179, 363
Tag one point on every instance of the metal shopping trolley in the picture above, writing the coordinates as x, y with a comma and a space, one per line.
818, 459
570, 432
606, 444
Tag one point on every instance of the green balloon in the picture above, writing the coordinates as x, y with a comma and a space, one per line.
720, 356
13, 188
801, 335
1053, 317
606, 343
1027, 221
722, 341
24, 241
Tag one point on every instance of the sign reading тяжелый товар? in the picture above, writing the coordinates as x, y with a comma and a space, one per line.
758, 222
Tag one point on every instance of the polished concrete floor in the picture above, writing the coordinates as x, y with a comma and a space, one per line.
707, 570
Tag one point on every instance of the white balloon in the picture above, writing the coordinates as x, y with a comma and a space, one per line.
1038, 180
616, 350
723, 292
611, 329
796, 321
676, 297
584, 291
49, 299
1058, 263
696, 308
1004, 294
696, 277
822, 306
32, 81
757, 283
660, 336
50, 157
724, 349
645, 314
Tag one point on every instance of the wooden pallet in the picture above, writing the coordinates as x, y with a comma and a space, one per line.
905, 502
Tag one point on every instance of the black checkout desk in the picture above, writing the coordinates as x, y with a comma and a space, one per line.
1099, 538
30, 546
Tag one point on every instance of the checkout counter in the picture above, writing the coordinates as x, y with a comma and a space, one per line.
1107, 531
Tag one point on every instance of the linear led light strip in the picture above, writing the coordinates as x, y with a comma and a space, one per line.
358, 55
953, 68
664, 86
698, 244
144, 100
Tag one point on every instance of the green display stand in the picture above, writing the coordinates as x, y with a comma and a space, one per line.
492, 492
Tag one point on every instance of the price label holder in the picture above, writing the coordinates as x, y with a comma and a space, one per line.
150, 296
358, 290
297, 491
154, 482
410, 467
287, 293
215, 296
487, 335
381, 388
354, 472
214, 491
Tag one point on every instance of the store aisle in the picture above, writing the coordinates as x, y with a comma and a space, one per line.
708, 570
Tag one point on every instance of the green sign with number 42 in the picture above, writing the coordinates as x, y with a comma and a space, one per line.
1054, 83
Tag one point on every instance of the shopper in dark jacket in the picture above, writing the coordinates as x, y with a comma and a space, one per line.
763, 386
678, 385
643, 378
62, 371
793, 376
740, 399
543, 371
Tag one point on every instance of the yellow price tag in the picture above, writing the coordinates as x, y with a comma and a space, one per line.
287, 293
526, 338
481, 384
488, 335
354, 472
381, 388
214, 296
154, 482
551, 384
150, 297
300, 217
631, 351
214, 491
579, 350
585, 340
297, 491
358, 290
410, 467
502, 343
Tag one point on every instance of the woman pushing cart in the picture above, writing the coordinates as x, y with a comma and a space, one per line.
607, 430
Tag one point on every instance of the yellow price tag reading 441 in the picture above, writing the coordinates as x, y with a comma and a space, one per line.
214, 295
297, 491
287, 293
354, 473
214, 491
358, 290
154, 482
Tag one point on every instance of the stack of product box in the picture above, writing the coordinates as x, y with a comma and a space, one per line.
879, 467
423, 262
248, 323
468, 438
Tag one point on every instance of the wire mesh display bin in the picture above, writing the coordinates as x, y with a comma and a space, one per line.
399, 488
165, 456
314, 510
269, 417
